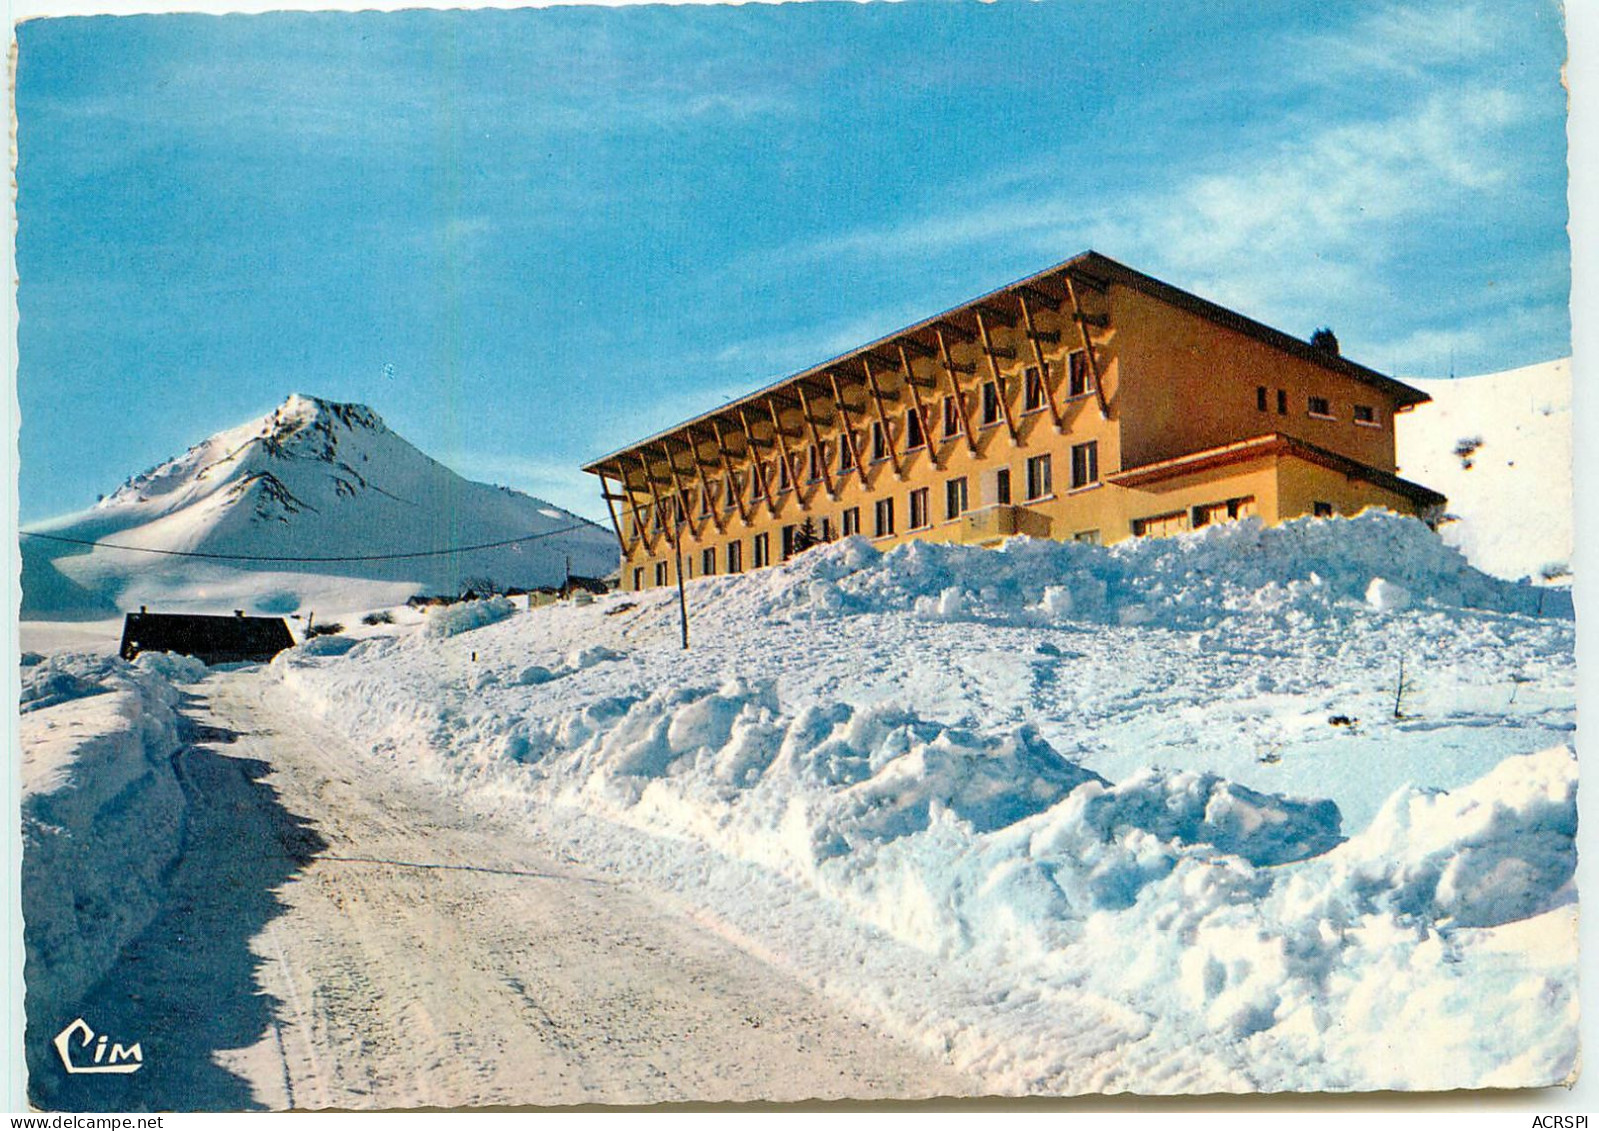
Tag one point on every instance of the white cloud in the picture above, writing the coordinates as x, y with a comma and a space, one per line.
1403, 40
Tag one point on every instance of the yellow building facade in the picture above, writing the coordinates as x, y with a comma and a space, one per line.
1088, 401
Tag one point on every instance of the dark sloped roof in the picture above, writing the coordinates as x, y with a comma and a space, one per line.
1094, 270
213, 639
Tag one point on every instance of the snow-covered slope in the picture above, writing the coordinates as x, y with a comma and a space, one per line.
1244, 809
310, 480
1499, 446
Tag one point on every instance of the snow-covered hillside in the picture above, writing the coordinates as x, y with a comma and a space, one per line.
1499, 446
1244, 809
312, 479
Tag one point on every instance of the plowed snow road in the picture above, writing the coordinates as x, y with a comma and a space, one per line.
422, 955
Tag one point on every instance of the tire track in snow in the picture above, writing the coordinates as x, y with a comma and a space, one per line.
453, 961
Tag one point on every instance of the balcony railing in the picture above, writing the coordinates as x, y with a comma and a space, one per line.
1001, 520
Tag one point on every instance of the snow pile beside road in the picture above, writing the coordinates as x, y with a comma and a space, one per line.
1027, 766
1309, 566
451, 620
101, 813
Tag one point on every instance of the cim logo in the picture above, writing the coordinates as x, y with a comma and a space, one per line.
91, 1052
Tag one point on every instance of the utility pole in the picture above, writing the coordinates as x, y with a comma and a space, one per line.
682, 593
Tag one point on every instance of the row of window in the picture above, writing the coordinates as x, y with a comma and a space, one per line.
1315, 406
1085, 471
1192, 518
957, 501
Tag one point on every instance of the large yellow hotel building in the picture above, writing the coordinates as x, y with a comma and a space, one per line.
1088, 401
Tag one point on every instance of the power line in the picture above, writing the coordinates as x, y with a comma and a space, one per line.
286, 558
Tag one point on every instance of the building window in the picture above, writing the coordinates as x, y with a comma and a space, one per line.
1282, 402
852, 521
1260, 398
638, 578
846, 453
1039, 483
1079, 374
816, 457
735, 557
952, 417
1230, 511
1002, 486
757, 482
1319, 406
1322, 510
788, 540
1089, 536
1161, 524
1365, 414
763, 550
783, 482
1085, 464
884, 515
705, 500
879, 441
955, 498
915, 435
661, 576
919, 509
827, 529
730, 491
708, 561
990, 403
1032, 390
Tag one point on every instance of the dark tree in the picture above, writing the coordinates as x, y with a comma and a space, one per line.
806, 537
1324, 339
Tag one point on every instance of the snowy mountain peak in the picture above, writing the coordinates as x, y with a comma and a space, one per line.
314, 480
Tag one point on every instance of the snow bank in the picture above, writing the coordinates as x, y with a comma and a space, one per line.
452, 620
101, 812
970, 751
1192, 580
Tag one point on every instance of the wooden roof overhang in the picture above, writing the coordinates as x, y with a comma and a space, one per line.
1272, 444
1014, 304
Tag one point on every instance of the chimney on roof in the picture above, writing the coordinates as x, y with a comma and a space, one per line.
238, 612
143, 609
1325, 340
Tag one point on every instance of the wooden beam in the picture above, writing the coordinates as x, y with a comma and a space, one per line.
649, 481
816, 444
733, 484
1098, 321
610, 508
756, 467
997, 314
920, 349
1092, 282
1088, 346
1034, 338
960, 396
678, 493
638, 524
882, 419
849, 428
921, 413
999, 380
705, 488
943, 327
788, 460
1040, 298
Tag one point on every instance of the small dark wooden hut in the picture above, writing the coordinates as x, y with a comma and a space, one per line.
209, 639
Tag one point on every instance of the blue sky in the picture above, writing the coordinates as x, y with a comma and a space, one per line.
529, 237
